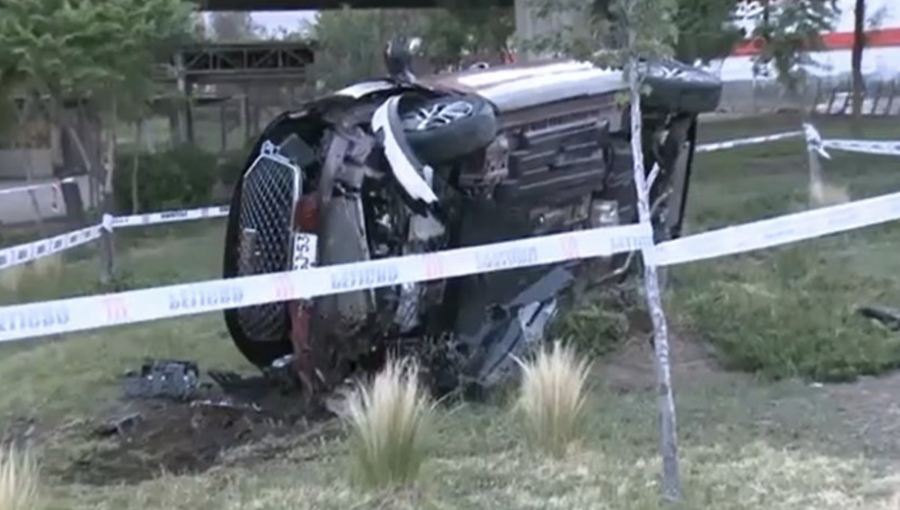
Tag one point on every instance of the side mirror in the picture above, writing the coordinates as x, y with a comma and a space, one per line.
398, 56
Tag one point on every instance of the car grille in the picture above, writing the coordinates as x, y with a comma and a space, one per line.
268, 197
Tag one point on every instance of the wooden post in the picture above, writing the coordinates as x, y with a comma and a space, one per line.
223, 128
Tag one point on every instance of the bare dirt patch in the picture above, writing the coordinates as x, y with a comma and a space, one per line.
872, 410
158, 436
631, 368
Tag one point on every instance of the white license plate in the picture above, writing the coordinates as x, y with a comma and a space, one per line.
306, 250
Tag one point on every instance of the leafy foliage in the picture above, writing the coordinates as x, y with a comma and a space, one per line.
599, 327
790, 30
233, 27
598, 32
704, 31
180, 177
89, 48
351, 41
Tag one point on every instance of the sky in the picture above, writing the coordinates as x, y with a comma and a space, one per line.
274, 20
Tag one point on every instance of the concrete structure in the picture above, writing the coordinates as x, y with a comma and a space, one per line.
303, 5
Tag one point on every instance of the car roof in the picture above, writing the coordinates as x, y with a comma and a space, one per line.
517, 86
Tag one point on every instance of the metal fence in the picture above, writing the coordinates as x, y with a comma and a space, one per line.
819, 96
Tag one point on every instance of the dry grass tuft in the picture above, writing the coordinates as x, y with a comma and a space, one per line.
389, 420
552, 398
18, 480
49, 266
11, 278
14, 278
823, 193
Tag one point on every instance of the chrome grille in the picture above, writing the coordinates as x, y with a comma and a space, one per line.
268, 196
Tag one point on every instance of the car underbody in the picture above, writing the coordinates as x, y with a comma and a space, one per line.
390, 168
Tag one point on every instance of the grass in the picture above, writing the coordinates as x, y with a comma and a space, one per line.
552, 399
790, 311
18, 479
745, 442
388, 422
61, 376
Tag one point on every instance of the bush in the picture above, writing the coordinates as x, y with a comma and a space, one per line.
599, 326
179, 177
789, 313
232, 162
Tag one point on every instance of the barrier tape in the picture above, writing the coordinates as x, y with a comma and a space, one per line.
886, 148
730, 144
179, 215
780, 230
28, 252
35, 187
92, 312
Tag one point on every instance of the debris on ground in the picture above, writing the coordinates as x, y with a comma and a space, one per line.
888, 317
118, 425
174, 379
169, 420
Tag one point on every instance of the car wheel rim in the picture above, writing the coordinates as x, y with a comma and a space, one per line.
438, 115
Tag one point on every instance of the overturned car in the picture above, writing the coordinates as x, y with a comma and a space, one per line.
405, 165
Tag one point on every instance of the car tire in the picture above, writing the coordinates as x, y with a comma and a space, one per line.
675, 86
442, 129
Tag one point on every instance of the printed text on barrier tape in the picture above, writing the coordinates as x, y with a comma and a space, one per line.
77, 314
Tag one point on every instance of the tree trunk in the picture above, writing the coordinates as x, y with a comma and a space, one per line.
107, 162
668, 442
98, 187
859, 43
139, 149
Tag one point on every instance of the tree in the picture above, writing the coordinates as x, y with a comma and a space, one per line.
859, 43
704, 30
231, 27
351, 41
789, 30
100, 56
631, 34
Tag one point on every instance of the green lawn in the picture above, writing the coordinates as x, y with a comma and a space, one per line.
789, 310
747, 442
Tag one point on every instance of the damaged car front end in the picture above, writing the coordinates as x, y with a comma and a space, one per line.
407, 165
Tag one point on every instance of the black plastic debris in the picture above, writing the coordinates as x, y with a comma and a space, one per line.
119, 425
889, 317
173, 379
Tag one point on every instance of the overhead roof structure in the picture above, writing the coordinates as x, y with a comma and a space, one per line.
250, 62
302, 5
